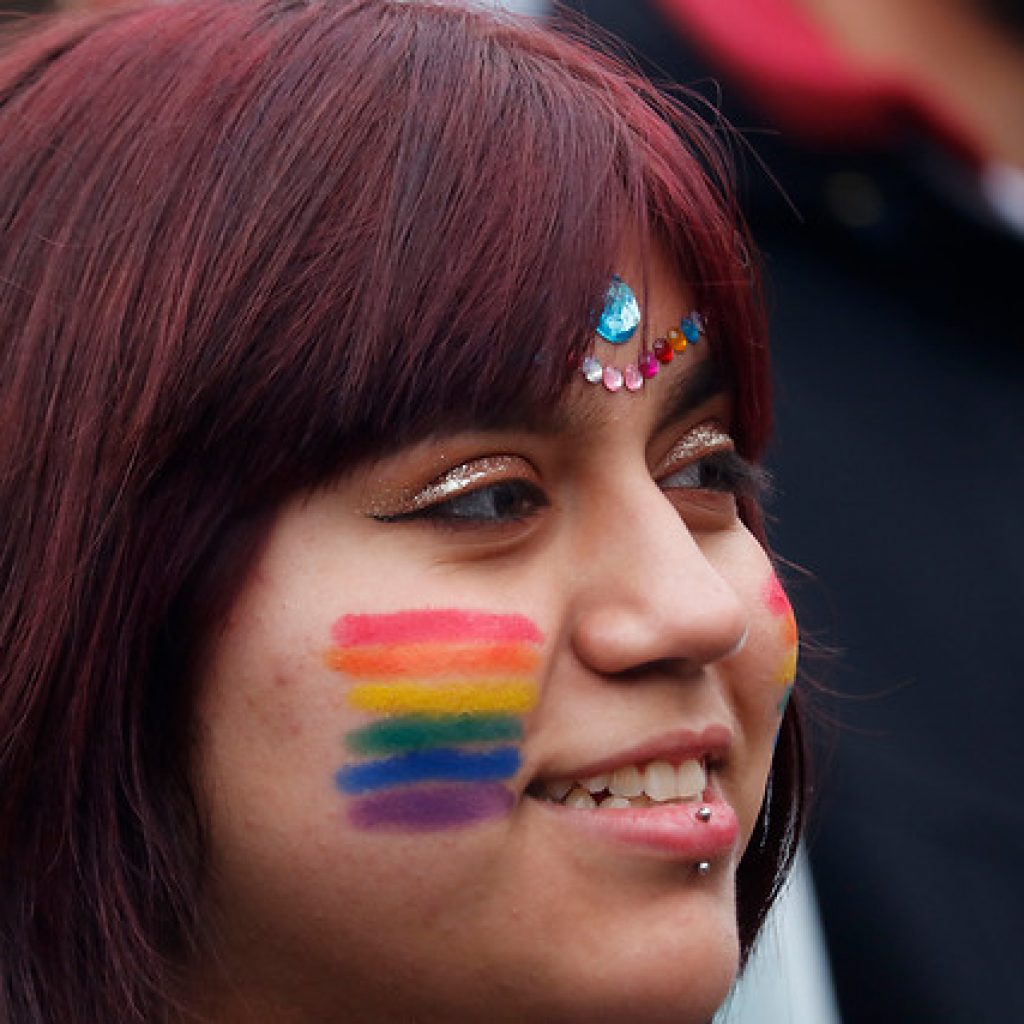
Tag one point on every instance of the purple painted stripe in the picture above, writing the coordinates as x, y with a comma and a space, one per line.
430, 808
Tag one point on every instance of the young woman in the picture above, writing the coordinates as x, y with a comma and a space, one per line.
387, 630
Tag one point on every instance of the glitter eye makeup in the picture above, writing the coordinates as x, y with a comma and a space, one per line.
448, 687
703, 439
705, 461
458, 480
777, 603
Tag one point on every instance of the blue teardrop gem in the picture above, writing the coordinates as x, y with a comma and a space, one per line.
691, 332
621, 315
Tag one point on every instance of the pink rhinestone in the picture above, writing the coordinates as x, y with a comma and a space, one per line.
612, 378
649, 365
633, 378
592, 369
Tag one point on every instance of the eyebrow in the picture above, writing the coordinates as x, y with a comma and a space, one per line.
689, 392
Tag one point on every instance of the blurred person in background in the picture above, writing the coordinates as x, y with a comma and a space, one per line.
892, 215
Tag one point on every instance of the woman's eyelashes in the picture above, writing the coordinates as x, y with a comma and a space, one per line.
721, 471
478, 493
705, 459
507, 501
505, 491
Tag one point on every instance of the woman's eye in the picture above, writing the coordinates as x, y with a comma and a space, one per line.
506, 501
722, 471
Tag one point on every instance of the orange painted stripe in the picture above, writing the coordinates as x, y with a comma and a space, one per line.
432, 660
789, 630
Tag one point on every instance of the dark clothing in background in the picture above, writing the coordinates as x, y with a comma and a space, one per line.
899, 354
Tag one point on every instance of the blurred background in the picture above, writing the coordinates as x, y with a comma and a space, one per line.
880, 156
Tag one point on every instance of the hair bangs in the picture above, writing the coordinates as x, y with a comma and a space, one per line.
454, 262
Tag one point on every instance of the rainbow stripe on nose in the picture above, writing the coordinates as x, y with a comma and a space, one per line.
449, 688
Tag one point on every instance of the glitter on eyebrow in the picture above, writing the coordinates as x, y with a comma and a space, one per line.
454, 481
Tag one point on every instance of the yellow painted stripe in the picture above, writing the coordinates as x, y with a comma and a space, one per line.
787, 670
511, 696
789, 630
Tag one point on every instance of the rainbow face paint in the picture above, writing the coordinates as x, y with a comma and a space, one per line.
450, 687
778, 604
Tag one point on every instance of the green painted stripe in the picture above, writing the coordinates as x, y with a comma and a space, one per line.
416, 732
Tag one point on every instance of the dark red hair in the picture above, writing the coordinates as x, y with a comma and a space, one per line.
243, 245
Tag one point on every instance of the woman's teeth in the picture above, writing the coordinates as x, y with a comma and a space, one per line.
657, 783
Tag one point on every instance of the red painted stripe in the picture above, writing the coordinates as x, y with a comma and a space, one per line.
433, 625
775, 598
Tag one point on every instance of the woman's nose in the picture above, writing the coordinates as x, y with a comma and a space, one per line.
651, 591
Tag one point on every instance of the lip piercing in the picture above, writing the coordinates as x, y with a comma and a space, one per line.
704, 814
704, 867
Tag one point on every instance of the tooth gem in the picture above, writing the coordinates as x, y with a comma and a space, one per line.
704, 814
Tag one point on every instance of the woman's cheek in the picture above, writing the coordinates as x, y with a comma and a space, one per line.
439, 695
785, 640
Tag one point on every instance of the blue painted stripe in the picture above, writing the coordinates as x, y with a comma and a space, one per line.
434, 765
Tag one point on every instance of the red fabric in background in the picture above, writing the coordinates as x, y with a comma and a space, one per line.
794, 73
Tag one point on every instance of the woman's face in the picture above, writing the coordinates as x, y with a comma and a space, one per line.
433, 665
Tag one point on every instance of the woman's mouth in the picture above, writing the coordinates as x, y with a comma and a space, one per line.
667, 804
653, 784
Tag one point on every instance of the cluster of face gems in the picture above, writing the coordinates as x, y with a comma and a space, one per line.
617, 325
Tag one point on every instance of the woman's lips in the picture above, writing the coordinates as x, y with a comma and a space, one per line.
675, 807
711, 744
699, 831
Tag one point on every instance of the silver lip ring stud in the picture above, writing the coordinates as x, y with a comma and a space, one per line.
704, 867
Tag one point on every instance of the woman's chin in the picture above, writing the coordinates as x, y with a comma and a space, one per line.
658, 993
643, 979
